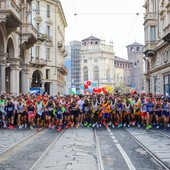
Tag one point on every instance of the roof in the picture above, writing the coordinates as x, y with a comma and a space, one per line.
91, 38
134, 44
121, 59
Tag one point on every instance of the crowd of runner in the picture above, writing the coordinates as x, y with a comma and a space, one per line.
96, 110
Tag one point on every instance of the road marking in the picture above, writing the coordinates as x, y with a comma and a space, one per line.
111, 134
123, 153
127, 159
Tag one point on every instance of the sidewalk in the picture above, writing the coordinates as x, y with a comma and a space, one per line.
155, 142
9, 137
74, 150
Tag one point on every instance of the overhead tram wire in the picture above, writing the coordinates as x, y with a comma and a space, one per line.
134, 22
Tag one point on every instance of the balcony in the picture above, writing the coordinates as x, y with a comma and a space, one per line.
10, 14
42, 37
149, 49
150, 17
167, 5
166, 37
29, 35
63, 69
49, 39
38, 62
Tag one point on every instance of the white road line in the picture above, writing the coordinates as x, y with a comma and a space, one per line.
121, 150
111, 134
127, 159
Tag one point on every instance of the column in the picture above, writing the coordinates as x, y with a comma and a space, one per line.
2, 72
14, 79
25, 79
2, 78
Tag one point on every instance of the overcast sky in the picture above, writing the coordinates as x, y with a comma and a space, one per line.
120, 21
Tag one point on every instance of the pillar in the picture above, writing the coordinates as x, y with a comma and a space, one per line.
14, 79
25, 79
2, 72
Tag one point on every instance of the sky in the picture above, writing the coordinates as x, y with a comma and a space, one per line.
120, 21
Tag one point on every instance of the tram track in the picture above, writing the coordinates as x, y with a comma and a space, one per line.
41, 158
158, 160
98, 154
17, 144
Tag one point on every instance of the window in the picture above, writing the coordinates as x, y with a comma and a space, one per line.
48, 54
155, 86
132, 49
48, 10
138, 49
38, 27
152, 33
37, 52
37, 7
48, 32
95, 60
96, 73
85, 60
47, 73
85, 73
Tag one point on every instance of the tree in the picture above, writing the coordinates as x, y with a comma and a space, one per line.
121, 88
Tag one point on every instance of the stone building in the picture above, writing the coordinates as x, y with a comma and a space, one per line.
47, 69
135, 56
157, 46
122, 73
97, 62
17, 36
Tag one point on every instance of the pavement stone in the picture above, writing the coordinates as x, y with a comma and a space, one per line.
74, 150
156, 143
9, 137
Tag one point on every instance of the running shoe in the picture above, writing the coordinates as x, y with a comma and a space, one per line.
128, 126
124, 125
25, 125
109, 124
5, 127
31, 127
20, 127
150, 126
93, 125
120, 125
157, 127
147, 128
168, 125
67, 126
77, 126
10, 127
59, 129
52, 127
97, 126
113, 126
85, 124
90, 125
138, 125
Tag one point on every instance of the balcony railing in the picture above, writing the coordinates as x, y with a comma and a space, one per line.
167, 3
42, 37
150, 16
29, 29
149, 49
63, 69
9, 6
38, 62
49, 39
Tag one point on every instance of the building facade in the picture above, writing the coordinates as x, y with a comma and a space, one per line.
97, 62
157, 46
17, 36
47, 69
72, 62
136, 57
123, 69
